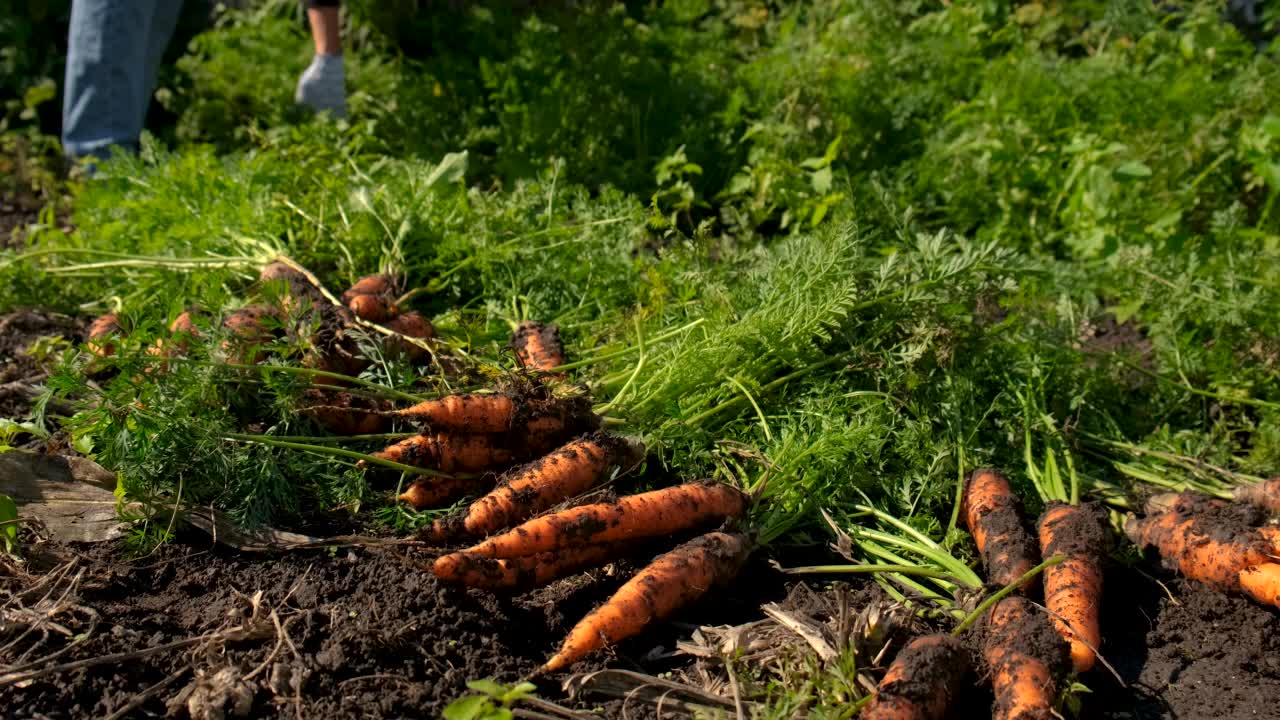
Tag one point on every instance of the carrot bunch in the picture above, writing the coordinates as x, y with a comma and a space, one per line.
1223, 545
553, 545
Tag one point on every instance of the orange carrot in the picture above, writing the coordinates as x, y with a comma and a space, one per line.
1025, 657
546, 482
447, 453
99, 331
434, 492
1262, 583
1197, 551
369, 285
993, 515
538, 346
1073, 588
922, 681
414, 325
658, 512
529, 571
672, 581
297, 286
469, 413
248, 327
1265, 494
372, 308
343, 413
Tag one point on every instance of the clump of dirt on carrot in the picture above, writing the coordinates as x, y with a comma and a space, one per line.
1073, 588
671, 582
1026, 659
922, 682
538, 346
993, 515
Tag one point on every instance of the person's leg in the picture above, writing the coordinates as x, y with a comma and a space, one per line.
324, 85
105, 76
164, 20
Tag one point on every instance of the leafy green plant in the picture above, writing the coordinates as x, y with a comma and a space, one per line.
491, 701
9, 525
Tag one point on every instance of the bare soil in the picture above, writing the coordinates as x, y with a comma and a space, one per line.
19, 372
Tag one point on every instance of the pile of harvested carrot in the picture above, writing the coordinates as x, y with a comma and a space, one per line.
1027, 651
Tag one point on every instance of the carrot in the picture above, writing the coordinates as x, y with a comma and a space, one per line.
183, 325
434, 492
538, 346
1073, 588
101, 329
248, 328
922, 681
369, 285
1262, 583
1025, 658
1202, 553
547, 481
527, 571
993, 515
470, 413
447, 453
1271, 536
373, 308
658, 512
297, 286
414, 325
672, 581
1265, 494
343, 413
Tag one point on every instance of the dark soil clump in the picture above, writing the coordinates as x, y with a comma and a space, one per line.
20, 373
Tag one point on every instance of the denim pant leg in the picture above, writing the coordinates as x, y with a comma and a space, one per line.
107, 85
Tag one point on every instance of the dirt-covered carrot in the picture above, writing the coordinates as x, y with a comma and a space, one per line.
1073, 588
672, 581
373, 308
369, 285
1265, 494
548, 481
1191, 544
1262, 583
993, 514
658, 512
100, 330
414, 325
184, 324
922, 681
1270, 534
529, 571
248, 327
297, 287
1026, 660
538, 346
344, 413
449, 453
434, 492
486, 413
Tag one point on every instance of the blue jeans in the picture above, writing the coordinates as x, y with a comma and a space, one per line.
114, 48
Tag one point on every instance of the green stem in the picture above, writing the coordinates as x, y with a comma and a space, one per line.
1198, 391
315, 439
310, 372
627, 350
325, 450
764, 389
843, 569
1004, 592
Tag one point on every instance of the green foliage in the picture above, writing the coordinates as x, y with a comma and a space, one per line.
9, 525
491, 701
